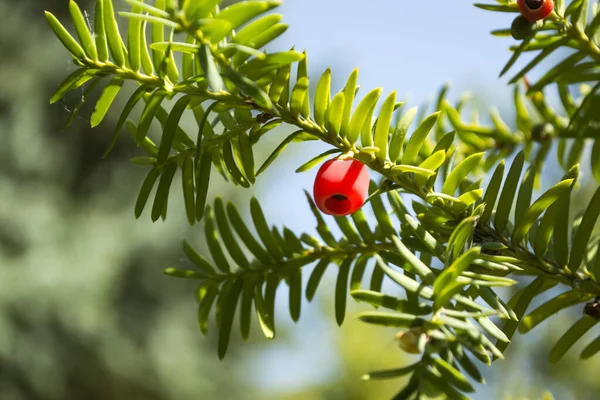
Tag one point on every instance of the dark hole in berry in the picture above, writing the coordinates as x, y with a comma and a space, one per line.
534, 4
338, 204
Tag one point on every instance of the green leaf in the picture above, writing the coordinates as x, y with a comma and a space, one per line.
491, 193
202, 182
397, 320
196, 259
361, 114
271, 294
63, 35
187, 59
381, 300
147, 145
360, 221
399, 134
391, 373
84, 97
240, 13
147, 186
409, 284
571, 336
411, 224
460, 172
358, 272
134, 40
210, 69
382, 215
414, 144
417, 265
85, 38
525, 193
549, 308
170, 128
316, 160
73, 81
525, 298
315, 278
212, 240
349, 93
584, 232
580, 16
434, 161
322, 97
231, 165
546, 227
246, 236
145, 58
263, 229
199, 9
333, 116
322, 227
508, 193
523, 225
148, 115
259, 40
555, 72
348, 230
377, 279
244, 35
263, 314
112, 33
341, 290
295, 294
246, 308
279, 89
467, 365
446, 284
106, 99
228, 312
183, 274
247, 156
205, 306
292, 241
559, 42
460, 237
592, 349
187, 184
168, 61
492, 329
443, 386
251, 89
100, 32
227, 235
278, 151
382, 131
418, 171
299, 94
451, 374
510, 8
162, 192
157, 22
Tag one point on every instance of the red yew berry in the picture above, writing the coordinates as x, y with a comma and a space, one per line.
535, 10
341, 186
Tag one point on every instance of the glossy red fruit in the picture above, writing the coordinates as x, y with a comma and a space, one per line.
341, 186
535, 10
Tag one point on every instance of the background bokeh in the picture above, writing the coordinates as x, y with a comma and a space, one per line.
85, 312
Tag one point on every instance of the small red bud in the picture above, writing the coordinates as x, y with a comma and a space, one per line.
535, 10
341, 186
